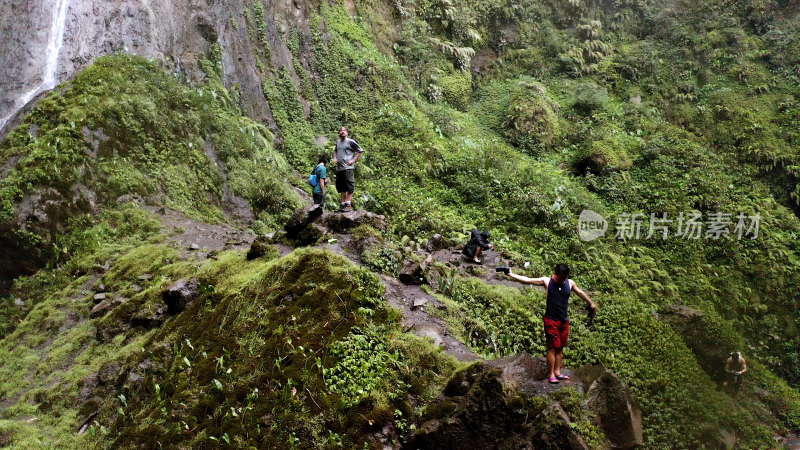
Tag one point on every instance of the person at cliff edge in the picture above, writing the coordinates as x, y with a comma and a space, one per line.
345, 156
556, 322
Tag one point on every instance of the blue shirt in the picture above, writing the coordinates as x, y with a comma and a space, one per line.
322, 174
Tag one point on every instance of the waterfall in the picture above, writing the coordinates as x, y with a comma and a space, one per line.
54, 45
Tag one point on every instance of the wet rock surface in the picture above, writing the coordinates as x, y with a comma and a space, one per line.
413, 273
176, 33
478, 410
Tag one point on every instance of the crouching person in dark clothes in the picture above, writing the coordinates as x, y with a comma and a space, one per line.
478, 241
556, 322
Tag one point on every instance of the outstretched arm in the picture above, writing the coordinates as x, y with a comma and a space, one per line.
744, 367
542, 281
583, 295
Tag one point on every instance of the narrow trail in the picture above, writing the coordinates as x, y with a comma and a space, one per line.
413, 302
197, 240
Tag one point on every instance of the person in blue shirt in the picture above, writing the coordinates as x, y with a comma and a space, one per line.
318, 194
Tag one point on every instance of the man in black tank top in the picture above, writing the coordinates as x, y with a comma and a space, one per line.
556, 322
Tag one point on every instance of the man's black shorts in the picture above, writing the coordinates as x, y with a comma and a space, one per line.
345, 181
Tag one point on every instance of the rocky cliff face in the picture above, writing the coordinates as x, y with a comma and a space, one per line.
174, 32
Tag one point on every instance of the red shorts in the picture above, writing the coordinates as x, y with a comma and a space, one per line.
556, 333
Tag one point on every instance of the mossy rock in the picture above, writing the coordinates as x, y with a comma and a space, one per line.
530, 120
601, 156
456, 89
262, 247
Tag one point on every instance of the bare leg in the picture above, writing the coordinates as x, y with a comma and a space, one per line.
559, 357
349, 197
477, 253
551, 362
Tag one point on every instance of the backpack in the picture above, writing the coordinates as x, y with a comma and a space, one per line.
313, 179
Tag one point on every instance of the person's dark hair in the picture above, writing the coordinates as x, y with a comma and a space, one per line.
562, 270
324, 158
485, 235
348, 129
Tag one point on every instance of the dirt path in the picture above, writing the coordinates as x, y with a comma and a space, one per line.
413, 302
196, 239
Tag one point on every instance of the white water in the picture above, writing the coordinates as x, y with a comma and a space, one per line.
54, 45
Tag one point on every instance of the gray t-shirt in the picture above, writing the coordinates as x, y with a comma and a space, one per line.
345, 152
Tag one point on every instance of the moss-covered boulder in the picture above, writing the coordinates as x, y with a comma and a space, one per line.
530, 120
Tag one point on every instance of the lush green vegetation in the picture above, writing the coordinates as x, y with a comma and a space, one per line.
503, 115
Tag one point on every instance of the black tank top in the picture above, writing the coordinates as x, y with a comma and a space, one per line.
557, 300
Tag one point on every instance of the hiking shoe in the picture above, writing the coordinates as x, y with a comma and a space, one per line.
347, 208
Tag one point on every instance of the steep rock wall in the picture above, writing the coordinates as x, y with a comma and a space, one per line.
174, 32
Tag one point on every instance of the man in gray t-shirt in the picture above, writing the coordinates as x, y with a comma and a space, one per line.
345, 156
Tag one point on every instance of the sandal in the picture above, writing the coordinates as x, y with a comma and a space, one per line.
562, 377
553, 380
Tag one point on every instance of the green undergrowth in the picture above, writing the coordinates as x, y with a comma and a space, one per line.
300, 350
503, 116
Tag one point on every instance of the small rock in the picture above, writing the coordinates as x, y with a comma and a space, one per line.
100, 309
302, 229
413, 274
180, 295
194, 247
100, 288
148, 320
436, 242
429, 331
342, 222
99, 297
136, 288
420, 302
258, 248
146, 277
18, 301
